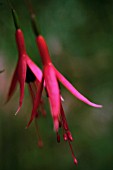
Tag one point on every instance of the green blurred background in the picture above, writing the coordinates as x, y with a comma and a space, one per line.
79, 34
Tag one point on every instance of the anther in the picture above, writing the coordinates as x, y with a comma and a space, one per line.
69, 135
74, 158
65, 137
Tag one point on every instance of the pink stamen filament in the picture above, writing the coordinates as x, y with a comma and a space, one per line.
42, 108
72, 152
58, 137
67, 134
31, 92
40, 142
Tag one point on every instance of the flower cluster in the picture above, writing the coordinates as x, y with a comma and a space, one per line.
48, 78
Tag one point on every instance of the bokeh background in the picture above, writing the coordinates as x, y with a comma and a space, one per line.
79, 34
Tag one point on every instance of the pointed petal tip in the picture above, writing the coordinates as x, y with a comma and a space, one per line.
27, 126
7, 99
95, 105
31, 119
18, 110
29, 123
74, 91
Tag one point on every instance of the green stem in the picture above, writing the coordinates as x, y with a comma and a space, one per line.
15, 18
33, 17
34, 24
14, 14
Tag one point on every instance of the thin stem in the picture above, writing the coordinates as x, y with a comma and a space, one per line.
33, 17
14, 14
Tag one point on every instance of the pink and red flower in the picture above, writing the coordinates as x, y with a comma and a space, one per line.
50, 80
26, 70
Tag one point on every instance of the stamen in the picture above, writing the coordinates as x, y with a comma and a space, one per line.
58, 137
65, 137
31, 92
69, 135
64, 122
74, 158
40, 142
42, 108
65, 126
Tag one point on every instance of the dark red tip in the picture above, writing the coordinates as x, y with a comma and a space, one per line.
58, 138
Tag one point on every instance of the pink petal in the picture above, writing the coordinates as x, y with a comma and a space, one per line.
36, 101
72, 89
34, 68
13, 85
21, 77
52, 86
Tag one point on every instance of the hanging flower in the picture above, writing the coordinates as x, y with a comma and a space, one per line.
26, 70
51, 79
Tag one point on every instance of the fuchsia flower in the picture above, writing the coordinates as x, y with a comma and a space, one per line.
26, 70
51, 79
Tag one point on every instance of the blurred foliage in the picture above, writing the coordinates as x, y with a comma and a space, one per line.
79, 34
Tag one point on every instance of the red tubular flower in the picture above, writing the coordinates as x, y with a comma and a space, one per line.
51, 78
26, 70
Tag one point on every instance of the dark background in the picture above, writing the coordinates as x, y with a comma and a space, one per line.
79, 34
